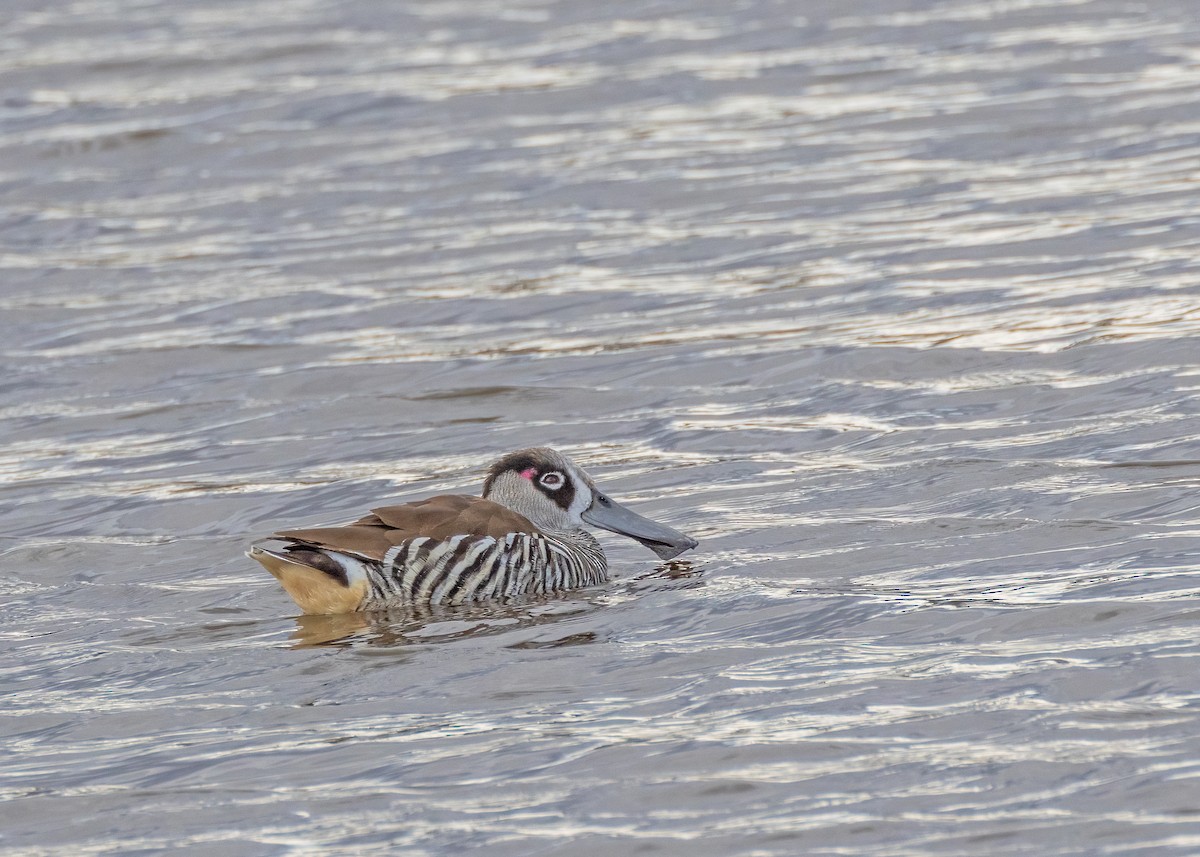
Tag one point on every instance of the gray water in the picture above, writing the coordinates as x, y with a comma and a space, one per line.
893, 304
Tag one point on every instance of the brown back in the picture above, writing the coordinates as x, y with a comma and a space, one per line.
436, 517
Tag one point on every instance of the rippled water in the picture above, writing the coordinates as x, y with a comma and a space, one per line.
893, 304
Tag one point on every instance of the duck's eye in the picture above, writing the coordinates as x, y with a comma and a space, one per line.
552, 480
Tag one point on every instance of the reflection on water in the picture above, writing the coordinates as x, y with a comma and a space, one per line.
894, 308
406, 627
329, 630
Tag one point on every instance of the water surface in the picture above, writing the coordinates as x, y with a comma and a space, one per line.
893, 305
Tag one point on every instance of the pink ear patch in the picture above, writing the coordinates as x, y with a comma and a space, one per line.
529, 473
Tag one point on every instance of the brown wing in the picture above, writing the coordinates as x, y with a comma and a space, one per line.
437, 518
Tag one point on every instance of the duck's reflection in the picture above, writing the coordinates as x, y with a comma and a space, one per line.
675, 569
673, 574
328, 629
400, 627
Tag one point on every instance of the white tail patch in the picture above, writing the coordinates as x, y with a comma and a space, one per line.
312, 589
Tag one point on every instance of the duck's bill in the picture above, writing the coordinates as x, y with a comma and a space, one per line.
607, 514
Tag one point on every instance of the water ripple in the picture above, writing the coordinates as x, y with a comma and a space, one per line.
895, 309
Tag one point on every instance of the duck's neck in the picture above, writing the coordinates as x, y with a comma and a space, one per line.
578, 541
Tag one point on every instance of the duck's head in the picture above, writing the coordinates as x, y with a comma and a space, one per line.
555, 494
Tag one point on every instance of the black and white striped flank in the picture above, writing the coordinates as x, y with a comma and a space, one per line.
467, 568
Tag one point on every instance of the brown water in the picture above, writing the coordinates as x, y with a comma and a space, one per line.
893, 304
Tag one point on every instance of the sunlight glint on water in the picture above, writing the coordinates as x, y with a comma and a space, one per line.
894, 308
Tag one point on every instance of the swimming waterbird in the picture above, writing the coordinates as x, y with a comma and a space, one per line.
524, 536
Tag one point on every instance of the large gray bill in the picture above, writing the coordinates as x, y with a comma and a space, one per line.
608, 514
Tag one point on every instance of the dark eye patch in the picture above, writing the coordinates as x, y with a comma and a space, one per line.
562, 494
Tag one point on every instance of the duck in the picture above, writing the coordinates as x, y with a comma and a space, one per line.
525, 536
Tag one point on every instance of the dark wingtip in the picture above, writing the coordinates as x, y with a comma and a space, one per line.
302, 555
318, 560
